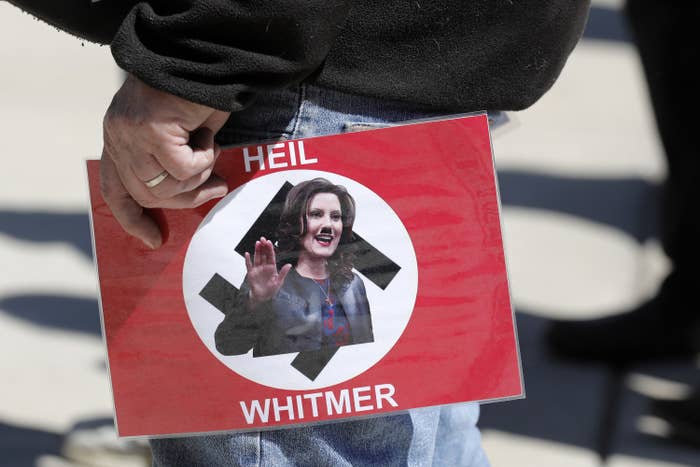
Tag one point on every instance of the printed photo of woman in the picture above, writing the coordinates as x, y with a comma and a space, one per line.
300, 294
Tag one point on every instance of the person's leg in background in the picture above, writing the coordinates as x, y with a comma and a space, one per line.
439, 436
668, 325
669, 49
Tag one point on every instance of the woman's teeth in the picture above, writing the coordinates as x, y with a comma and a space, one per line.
324, 239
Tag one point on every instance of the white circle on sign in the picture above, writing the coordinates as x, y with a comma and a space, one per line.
212, 251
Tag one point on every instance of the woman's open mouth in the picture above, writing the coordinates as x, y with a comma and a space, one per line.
324, 239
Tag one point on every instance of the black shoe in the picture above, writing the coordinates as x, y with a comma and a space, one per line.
681, 417
666, 327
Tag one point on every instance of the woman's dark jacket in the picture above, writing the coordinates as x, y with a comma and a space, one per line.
290, 322
440, 55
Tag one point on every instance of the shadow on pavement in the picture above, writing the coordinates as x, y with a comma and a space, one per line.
21, 447
61, 312
44, 227
628, 204
606, 24
564, 403
584, 405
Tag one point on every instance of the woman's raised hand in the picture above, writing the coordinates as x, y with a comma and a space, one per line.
263, 278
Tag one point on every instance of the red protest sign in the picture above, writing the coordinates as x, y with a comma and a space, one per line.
396, 277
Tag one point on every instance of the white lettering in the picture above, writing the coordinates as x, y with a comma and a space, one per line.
358, 399
247, 159
313, 397
302, 155
338, 404
255, 408
300, 406
289, 408
379, 395
279, 156
292, 155
272, 156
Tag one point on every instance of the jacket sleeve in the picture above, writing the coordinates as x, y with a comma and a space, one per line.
221, 52
95, 21
366, 333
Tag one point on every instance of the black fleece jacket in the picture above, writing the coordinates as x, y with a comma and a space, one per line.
450, 55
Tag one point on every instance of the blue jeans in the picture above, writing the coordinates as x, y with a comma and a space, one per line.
433, 436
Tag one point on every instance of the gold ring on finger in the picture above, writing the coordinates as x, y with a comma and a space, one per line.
157, 180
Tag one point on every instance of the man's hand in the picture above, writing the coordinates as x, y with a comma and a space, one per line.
150, 135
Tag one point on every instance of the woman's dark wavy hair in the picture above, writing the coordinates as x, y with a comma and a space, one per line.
292, 227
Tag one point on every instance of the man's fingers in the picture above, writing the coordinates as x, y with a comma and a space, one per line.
148, 132
171, 187
142, 120
135, 221
182, 155
130, 215
174, 194
146, 168
213, 188
183, 161
201, 139
129, 211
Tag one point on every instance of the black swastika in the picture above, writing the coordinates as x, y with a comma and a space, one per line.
372, 263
